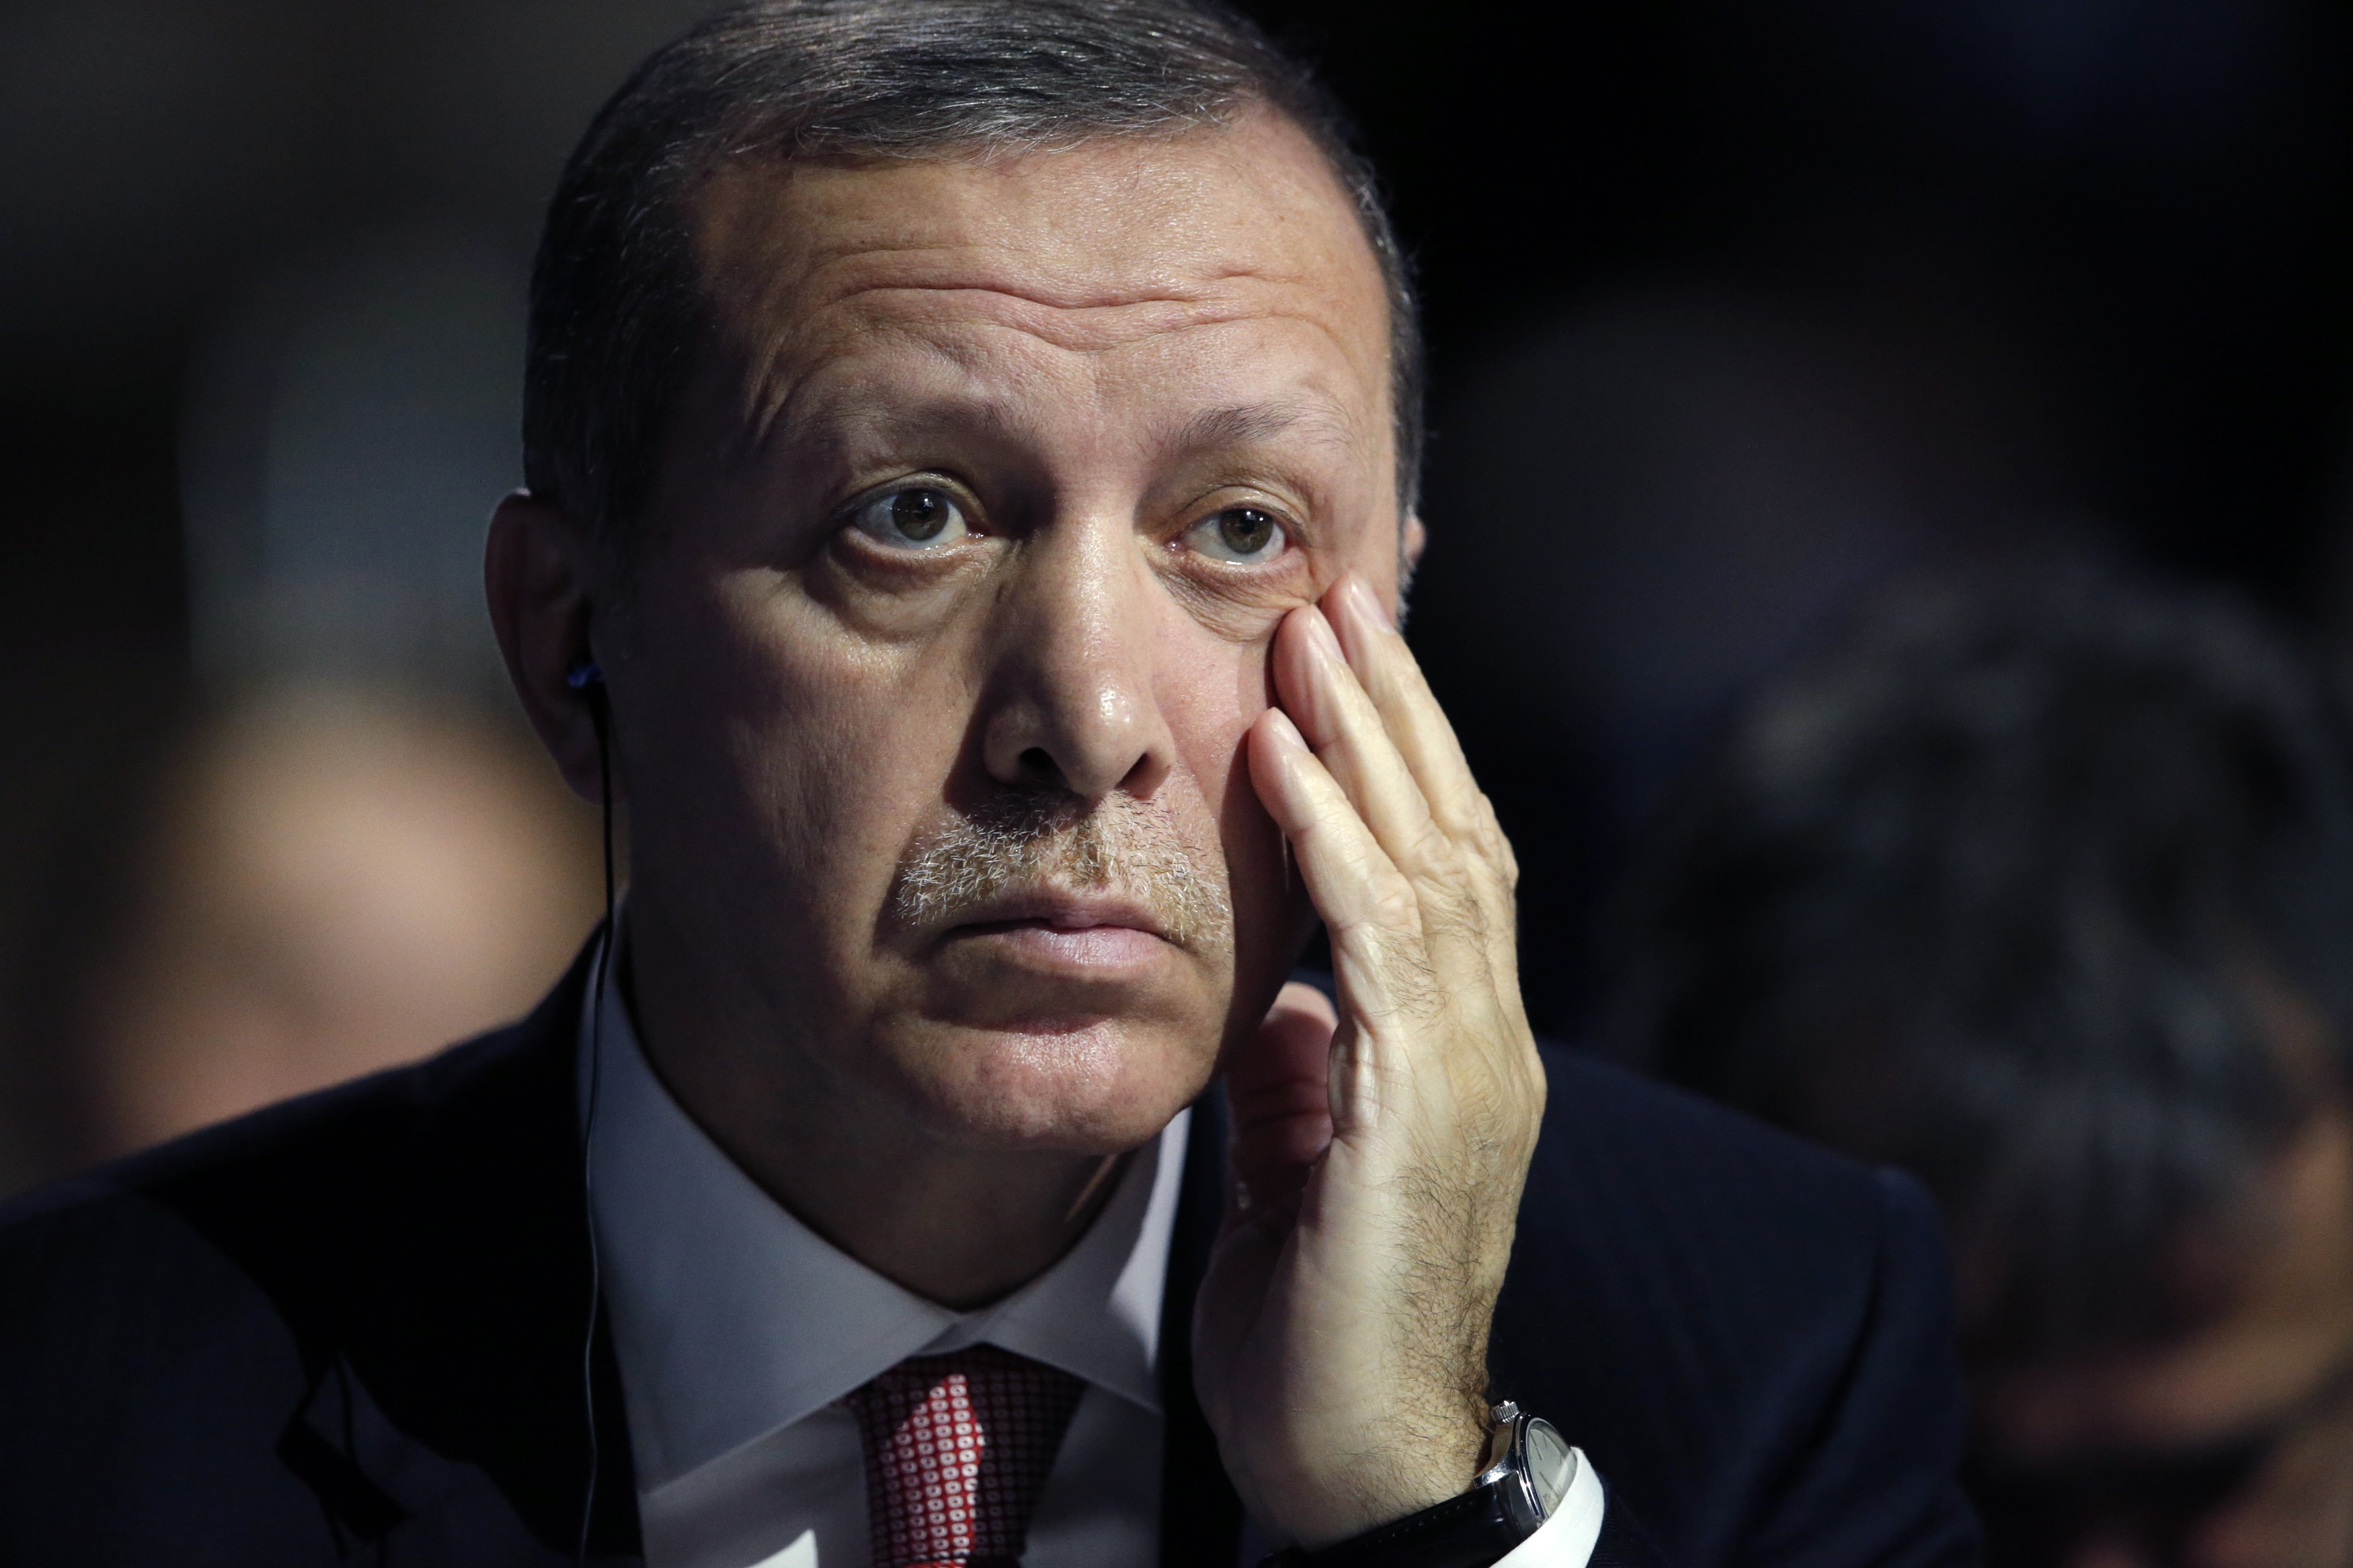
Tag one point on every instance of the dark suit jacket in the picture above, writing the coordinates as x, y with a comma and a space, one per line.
353, 1327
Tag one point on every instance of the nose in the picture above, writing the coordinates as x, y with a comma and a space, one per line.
1069, 696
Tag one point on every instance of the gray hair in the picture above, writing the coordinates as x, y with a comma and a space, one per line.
617, 313
1029, 838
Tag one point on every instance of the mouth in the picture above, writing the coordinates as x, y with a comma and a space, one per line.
1059, 928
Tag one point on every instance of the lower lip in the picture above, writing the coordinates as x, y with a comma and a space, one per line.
1070, 947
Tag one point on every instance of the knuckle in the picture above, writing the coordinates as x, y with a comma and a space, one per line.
1409, 987
1452, 906
1497, 843
1434, 847
1393, 905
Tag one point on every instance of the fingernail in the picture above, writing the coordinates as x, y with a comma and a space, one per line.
1365, 605
1326, 640
1284, 728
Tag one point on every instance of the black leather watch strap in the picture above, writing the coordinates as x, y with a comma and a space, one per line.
1471, 1530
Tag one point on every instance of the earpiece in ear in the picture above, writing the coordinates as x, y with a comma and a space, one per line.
584, 675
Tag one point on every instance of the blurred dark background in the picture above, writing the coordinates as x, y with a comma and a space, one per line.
1733, 309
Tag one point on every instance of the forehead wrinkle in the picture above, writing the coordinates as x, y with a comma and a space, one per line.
1071, 281
1239, 426
784, 361
779, 374
1108, 320
1089, 250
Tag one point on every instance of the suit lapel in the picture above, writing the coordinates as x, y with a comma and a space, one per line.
427, 1238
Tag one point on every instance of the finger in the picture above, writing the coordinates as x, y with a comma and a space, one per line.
1504, 893
1367, 904
1392, 680
1300, 1001
1343, 729
1461, 901
1419, 729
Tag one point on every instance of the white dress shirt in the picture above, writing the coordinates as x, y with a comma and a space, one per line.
738, 1329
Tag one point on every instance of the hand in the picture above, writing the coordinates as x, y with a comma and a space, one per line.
1340, 1343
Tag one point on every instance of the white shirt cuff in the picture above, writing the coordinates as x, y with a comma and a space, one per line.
1565, 1540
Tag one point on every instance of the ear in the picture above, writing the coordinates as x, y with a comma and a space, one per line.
540, 571
1412, 539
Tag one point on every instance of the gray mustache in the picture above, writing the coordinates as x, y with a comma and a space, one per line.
1121, 844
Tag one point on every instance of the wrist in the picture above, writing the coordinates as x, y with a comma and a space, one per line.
1349, 1485
1527, 1475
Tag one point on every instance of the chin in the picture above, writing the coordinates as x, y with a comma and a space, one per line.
1094, 1087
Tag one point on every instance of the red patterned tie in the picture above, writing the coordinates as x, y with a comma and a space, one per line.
957, 1449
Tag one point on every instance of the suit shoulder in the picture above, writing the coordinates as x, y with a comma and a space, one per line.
306, 1198
327, 1129
149, 1358
398, 1244
1606, 1124
1722, 1252
375, 1132
1751, 1336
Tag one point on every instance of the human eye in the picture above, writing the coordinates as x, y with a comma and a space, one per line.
914, 517
1242, 535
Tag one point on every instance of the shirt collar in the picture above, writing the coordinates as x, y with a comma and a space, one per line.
731, 1318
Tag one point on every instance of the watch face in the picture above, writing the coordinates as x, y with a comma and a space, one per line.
1552, 1465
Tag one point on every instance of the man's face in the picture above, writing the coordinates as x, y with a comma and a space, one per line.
954, 605
2232, 1448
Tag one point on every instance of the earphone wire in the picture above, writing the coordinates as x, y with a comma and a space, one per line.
595, 692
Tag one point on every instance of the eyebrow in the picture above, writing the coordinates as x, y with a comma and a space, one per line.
1248, 424
877, 411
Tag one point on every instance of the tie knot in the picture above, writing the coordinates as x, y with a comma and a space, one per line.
957, 1450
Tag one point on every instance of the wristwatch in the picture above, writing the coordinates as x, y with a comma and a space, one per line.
1527, 1472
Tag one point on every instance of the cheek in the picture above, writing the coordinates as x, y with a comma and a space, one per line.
793, 758
1211, 690
860, 739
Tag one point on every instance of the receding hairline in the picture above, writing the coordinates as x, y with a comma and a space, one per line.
743, 242
758, 169
615, 295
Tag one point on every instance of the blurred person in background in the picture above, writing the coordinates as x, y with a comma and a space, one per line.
338, 882
344, 854
2042, 888
1674, 488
